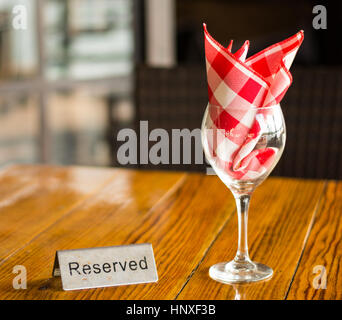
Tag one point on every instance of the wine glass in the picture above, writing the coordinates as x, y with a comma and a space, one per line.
242, 145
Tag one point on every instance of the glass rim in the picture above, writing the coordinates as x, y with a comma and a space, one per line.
251, 107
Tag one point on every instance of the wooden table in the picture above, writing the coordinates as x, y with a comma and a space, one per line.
294, 226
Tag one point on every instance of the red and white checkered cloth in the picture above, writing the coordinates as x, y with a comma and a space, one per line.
238, 87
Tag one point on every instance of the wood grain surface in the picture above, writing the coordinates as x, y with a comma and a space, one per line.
279, 219
190, 219
32, 198
319, 273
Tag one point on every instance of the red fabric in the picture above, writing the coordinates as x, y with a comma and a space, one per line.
238, 87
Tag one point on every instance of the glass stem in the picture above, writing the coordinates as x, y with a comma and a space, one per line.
242, 204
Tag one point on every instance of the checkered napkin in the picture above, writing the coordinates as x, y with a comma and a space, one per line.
238, 87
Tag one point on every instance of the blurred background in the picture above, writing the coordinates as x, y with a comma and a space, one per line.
75, 72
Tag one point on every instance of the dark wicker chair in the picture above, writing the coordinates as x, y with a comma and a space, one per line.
177, 97
171, 99
312, 109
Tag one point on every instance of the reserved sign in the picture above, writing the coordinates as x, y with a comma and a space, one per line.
106, 266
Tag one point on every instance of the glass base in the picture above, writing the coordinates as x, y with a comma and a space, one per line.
233, 272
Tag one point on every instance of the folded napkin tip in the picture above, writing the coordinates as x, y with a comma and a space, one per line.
300, 35
205, 27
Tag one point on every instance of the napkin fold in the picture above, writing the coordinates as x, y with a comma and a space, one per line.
238, 87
